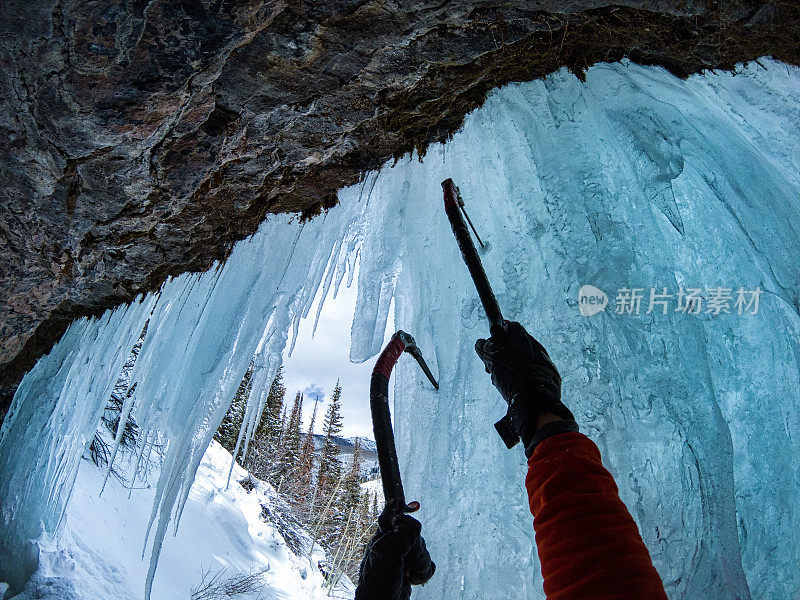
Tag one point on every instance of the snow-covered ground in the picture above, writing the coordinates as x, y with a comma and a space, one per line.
98, 555
374, 488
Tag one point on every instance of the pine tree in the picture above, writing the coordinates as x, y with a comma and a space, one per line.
228, 431
292, 439
307, 455
366, 509
262, 449
269, 424
330, 466
351, 525
280, 429
351, 486
289, 448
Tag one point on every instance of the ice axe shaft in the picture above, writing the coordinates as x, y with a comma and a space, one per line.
381, 419
452, 206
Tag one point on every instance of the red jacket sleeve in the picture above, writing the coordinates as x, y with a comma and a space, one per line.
589, 545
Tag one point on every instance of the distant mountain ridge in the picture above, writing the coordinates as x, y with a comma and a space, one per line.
348, 444
369, 451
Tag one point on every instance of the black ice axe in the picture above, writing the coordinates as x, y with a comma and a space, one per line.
454, 207
381, 420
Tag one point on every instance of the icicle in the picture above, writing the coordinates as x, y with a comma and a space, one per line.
330, 272
121, 424
145, 443
53, 417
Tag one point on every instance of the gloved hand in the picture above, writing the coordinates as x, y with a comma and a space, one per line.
396, 558
527, 379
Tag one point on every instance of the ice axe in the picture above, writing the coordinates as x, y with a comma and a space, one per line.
382, 423
454, 207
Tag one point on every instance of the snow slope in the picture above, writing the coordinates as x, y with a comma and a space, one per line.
99, 554
374, 488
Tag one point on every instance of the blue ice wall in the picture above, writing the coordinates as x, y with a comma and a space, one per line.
633, 179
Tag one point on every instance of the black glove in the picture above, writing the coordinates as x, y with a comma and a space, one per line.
528, 380
396, 558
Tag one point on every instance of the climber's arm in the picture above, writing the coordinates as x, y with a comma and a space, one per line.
588, 543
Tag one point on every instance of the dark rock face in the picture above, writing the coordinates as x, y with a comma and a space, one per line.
142, 138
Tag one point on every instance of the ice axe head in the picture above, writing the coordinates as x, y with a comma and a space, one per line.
412, 348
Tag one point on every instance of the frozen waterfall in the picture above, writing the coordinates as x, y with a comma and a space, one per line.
631, 180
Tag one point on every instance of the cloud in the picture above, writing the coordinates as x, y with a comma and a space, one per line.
313, 392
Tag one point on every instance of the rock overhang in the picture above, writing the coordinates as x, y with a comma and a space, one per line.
144, 139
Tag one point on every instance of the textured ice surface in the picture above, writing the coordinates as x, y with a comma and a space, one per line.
632, 179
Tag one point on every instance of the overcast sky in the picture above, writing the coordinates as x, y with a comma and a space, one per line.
318, 361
